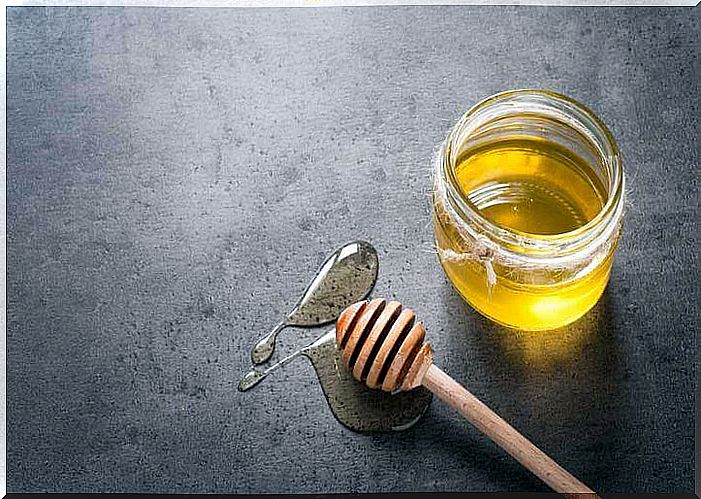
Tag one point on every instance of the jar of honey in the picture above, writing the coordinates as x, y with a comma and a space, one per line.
528, 207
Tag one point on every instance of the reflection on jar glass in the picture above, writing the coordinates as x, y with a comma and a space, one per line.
528, 206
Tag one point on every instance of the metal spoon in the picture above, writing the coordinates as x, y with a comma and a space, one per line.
347, 276
353, 404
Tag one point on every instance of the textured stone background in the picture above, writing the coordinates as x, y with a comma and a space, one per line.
175, 176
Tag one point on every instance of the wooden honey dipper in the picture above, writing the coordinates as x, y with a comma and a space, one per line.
383, 346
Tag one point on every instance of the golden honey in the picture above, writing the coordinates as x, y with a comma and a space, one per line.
528, 209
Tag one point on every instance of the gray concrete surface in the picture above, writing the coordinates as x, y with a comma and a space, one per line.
174, 177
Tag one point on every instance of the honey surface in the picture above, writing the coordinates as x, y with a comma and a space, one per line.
531, 185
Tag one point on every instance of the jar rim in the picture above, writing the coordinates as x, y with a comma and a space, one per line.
600, 226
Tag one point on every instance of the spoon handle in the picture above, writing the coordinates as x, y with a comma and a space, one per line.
253, 377
503, 434
266, 345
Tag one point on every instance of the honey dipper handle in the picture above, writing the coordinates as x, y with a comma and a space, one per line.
502, 433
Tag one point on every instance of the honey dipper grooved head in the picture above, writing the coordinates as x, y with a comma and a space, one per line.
383, 345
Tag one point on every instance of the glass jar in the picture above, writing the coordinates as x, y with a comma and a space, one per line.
528, 206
